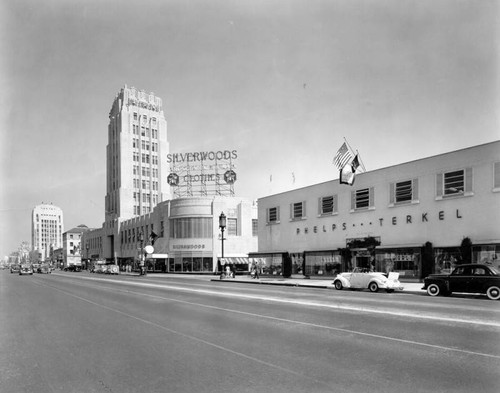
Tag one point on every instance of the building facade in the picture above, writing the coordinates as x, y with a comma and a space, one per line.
414, 218
184, 234
73, 253
137, 171
47, 227
137, 142
139, 208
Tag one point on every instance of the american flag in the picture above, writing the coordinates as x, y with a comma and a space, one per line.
343, 156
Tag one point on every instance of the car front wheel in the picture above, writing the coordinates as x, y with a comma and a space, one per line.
433, 290
338, 285
493, 293
373, 287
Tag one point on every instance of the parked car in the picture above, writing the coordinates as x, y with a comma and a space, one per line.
363, 278
26, 268
98, 269
73, 268
44, 269
470, 278
111, 269
14, 268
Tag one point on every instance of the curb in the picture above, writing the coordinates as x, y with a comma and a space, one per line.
296, 284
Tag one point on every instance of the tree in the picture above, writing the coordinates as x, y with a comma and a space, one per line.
466, 250
427, 259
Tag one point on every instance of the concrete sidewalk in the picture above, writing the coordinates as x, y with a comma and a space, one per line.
297, 281
413, 287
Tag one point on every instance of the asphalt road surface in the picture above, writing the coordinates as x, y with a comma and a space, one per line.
78, 332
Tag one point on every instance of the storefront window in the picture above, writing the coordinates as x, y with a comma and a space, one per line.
446, 259
272, 264
323, 263
487, 255
405, 261
188, 263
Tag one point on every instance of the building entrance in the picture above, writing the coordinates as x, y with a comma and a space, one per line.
362, 262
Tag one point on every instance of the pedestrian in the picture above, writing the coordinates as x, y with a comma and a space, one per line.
255, 272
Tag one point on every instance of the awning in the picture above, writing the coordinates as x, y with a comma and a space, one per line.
242, 261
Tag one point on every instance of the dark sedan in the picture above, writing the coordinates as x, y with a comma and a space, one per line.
472, 278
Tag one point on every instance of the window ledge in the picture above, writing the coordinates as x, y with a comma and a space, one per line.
364, 209
396, 204
272, 222
328, 214
454, 196
298, 219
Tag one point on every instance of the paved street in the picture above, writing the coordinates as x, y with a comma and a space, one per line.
79, 332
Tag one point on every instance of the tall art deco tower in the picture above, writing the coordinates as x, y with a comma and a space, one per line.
47, 227
136, 154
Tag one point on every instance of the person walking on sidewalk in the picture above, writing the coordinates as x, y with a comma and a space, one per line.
255, 272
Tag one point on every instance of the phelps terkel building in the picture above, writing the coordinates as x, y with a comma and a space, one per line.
415, 218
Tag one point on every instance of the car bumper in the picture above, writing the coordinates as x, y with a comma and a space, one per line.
397, 286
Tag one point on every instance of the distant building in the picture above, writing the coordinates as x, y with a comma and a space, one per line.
47, 227
414, 218
73, 253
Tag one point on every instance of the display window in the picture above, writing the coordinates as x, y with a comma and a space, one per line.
189, 263
487, 254
405, 261
322, 263
446, 259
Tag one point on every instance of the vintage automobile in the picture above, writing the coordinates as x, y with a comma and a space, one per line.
469, 278
111, 269
26, 268
73, 268
14, 268
44, 268
98, 268
363, 278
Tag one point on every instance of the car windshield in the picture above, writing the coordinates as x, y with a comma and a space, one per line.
495, 271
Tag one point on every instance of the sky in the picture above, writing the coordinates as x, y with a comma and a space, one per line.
283, 82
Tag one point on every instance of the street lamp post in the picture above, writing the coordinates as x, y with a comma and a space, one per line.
222, 226
141, 241
88, 259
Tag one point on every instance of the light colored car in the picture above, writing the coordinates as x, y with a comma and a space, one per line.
363, 278
111, 269
26, 269
98, 268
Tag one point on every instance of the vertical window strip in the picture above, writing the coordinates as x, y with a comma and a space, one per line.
496, 175
468, 180
414, 196
439, 185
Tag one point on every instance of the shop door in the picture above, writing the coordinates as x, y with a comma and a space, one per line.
362, 262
